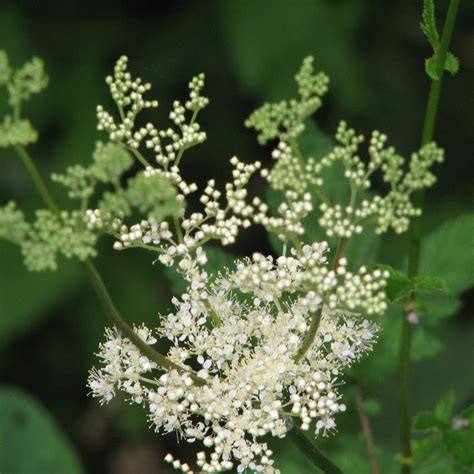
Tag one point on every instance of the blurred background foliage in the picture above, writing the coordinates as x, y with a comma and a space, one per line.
51, 323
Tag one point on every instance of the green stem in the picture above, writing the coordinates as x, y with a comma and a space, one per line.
98, 283
310, 335
182, 150
140, 157
37, 180
177, 227
341, 247
415, 237
213, 314
112, 312
313, 453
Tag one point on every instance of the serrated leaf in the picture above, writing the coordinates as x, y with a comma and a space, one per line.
439, 419
400, 286
444, 408
451, 64
459, 440
430, 457
428, 284
426, 421
428, 25
431, 67
30, 441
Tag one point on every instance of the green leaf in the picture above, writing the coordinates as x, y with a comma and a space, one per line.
430, 457
428, 284
451, 64
428, 25
449, 252
426, 421
30, 440
459, 441
444, 408
431, 67
400, 286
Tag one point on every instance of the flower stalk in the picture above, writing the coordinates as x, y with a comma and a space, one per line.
415, 240
96, 279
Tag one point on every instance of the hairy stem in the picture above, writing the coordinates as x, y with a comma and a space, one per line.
313, 453
415, 238
98, 283
369, 437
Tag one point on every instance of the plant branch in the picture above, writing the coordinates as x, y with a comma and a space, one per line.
98, 283
313, 453
365, 423
112, 312
310, 335
341, 247
37, 180
415, 237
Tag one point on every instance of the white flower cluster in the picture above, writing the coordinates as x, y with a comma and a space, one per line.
270, 337
247, 352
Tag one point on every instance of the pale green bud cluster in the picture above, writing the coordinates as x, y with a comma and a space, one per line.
16, 132
12, 223
48, 236
284, 120
110, 162
298, 177
392, 210
20, 85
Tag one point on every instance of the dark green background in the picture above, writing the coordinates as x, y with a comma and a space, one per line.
50, 324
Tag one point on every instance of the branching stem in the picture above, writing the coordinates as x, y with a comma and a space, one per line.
415, 238
98, 283
313, 453
310, 335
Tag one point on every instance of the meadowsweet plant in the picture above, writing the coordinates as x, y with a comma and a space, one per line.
260, 347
